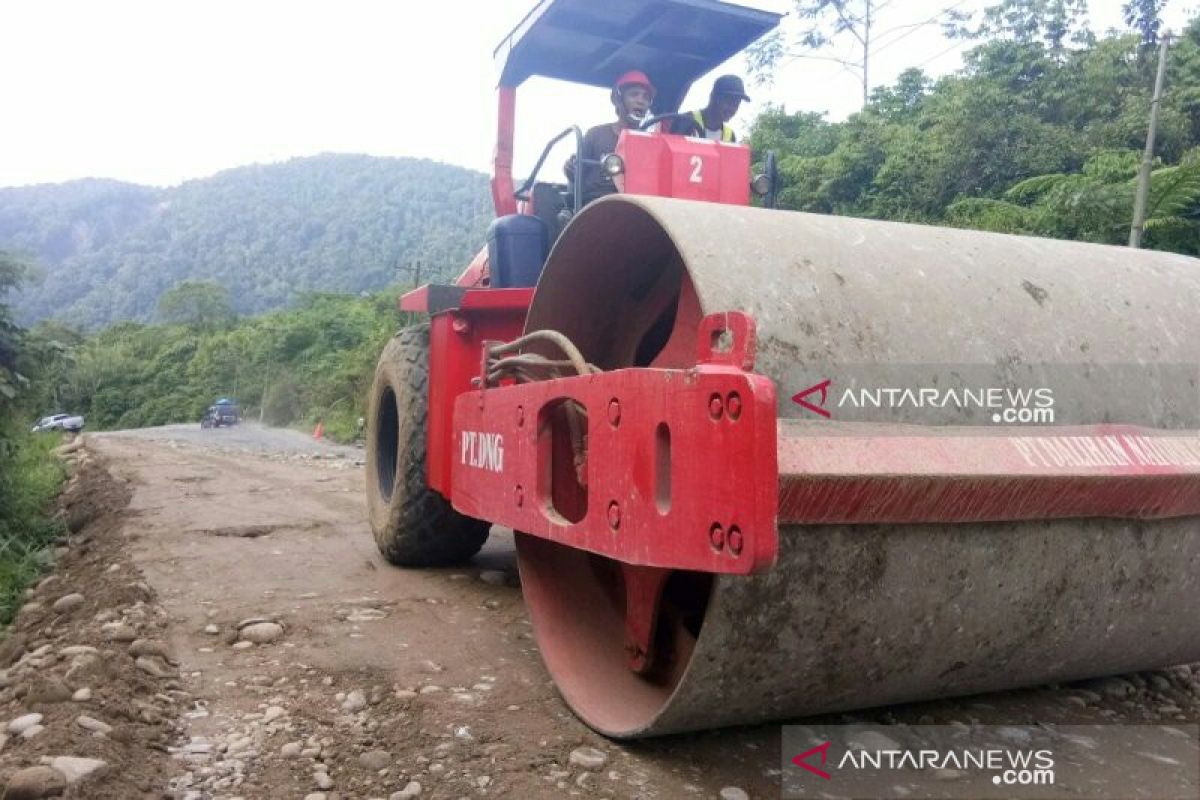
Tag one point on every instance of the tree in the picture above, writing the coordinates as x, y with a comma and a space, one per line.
826, 22
1093, 204
903, 100
1145, 17
1053, 23
203, 305
12, 273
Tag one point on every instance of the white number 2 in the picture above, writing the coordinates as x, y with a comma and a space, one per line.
697, 170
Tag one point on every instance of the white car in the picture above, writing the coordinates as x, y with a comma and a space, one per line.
59, 422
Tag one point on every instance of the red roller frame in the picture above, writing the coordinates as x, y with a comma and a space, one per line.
680, 464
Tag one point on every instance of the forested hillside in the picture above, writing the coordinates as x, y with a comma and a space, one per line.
1041, 133
269, 234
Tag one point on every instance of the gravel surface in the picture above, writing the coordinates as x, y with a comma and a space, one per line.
248, 438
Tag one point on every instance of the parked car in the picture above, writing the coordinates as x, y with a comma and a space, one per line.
59, 422
221, 414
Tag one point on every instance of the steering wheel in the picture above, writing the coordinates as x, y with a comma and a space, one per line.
651, 121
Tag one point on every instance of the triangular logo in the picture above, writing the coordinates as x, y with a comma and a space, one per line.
802, 760
818, 407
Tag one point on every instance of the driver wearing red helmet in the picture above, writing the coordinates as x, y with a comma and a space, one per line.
632, 96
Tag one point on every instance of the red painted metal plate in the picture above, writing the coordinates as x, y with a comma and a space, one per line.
686, 168
673, 478
456, 340
848, 473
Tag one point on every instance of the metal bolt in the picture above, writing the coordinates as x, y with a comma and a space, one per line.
614, 515
461, 326
614, 412
519, 496
716, 535
716, 406
735, 540
733, 404
520, 416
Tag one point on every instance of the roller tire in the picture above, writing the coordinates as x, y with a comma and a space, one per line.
414, 525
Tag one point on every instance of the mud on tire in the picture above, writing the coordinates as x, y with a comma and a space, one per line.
414, 525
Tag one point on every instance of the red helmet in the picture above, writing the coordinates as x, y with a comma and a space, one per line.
634, 78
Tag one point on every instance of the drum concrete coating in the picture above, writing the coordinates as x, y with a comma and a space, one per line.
857, 616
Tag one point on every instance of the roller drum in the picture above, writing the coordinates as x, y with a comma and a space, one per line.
865, 615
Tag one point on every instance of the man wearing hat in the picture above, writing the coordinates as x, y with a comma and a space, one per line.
712, 121
632, 96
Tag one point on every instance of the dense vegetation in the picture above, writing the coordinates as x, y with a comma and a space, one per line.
314, 361
1040, 133
29, 475
268, 234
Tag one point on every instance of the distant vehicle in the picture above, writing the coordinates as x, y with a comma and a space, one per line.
59, 422
224, 412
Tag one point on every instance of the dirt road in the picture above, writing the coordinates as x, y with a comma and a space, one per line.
375, 682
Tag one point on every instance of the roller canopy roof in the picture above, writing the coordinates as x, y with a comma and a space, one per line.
674, 41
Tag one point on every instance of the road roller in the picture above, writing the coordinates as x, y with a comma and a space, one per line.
658, 393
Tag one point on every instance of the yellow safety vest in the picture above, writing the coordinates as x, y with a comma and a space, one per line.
726, 131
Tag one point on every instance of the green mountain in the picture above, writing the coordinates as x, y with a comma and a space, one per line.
332, 223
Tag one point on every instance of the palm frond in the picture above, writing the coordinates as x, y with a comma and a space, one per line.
1039, 185
1173, 191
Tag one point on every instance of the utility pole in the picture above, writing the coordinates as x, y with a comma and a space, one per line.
1143, 188
866, 62
413, 269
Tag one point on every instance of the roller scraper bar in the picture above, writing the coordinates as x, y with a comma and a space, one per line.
873, 473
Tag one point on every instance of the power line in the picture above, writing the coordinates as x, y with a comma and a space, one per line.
950, 49
916, 26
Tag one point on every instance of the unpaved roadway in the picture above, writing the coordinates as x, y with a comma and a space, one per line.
385, 678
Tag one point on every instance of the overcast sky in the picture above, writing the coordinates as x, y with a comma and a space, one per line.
158, 92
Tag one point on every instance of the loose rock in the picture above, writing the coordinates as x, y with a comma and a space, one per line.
149, 647
412, 789
119, 632
153, 666
734, 793
589, 758
375, 760
355, 701
93, 724
68, 603
261, 632
493, 577
78, 769
77, 650
24, 722
34, 783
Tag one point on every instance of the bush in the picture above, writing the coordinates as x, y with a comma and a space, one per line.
30, 477
281, 405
